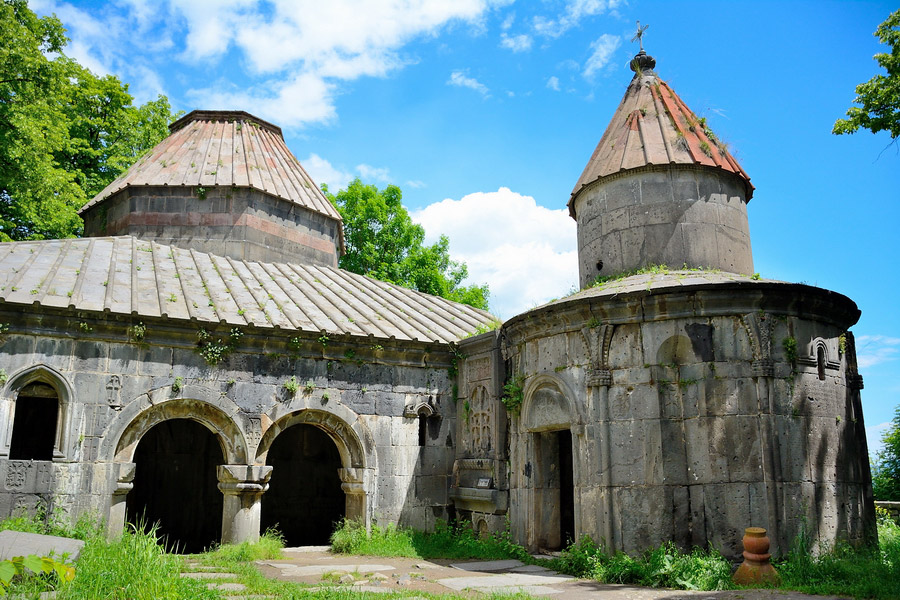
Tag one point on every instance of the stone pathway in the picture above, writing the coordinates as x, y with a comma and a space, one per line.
319, 569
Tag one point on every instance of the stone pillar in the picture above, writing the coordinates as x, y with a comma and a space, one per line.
124, 476
355, 482
243, 487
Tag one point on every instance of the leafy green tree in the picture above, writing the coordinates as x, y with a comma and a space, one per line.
64, 132
383, 242
886, 466
880, 96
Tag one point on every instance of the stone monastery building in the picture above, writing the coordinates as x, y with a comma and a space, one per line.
199, 360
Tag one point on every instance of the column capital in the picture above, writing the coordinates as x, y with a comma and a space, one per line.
243, 479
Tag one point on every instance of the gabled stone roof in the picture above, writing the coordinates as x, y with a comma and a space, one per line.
653, 126
224, 148
128, 276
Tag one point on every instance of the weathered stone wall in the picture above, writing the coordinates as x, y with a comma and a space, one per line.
893, 509
480, 481
690, 420
366, 394
241, 223
669, 215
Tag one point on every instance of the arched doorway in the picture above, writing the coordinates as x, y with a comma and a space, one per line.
35, 423
305, 498
175, 485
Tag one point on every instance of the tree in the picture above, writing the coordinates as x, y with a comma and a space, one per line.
886, 466
880, 96
64, 132
382, 242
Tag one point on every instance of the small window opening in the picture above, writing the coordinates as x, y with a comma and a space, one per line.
820, 362
34, 426
423, 427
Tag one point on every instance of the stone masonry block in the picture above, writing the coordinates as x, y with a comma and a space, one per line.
404, 431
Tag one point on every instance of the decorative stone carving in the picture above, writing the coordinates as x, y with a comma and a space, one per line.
423, 408
597, 340
16, 474
759, 326
254, 431
112, 392
480, 421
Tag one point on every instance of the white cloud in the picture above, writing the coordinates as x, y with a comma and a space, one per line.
369, 173
459, 79
553, 83
525, 253
306, 98
603, 48
575, 11
416, 184
516, 43
508, 21
323, 171
296, 52
873, 350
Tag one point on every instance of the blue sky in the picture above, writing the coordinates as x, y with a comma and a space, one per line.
485, 113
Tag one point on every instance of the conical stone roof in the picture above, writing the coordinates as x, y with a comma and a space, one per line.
653, 126
224, 148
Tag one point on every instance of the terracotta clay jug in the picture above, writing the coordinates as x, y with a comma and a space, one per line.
756, 567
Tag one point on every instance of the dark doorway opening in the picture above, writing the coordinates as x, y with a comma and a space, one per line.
566, 488
305, 499
176, 487
554, 510
35, 423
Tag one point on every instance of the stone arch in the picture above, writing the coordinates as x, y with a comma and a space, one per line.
548, 405
354, 447
348, 441
65, 393
226, 430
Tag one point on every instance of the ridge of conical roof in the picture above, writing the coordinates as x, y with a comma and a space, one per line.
224, 148
653, 126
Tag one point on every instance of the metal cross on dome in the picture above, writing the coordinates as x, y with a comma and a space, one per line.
639, 36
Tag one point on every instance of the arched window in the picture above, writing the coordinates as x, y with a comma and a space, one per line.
35, 423
820, 361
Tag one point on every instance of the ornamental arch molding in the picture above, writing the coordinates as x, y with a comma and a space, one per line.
349, 442
549, 405
196, 403
40, 373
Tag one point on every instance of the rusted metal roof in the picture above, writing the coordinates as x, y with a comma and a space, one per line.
224, 148
653, 126
128, 276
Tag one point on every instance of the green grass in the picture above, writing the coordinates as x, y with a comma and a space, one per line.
844, 570
454, 542
133, 567
664, 566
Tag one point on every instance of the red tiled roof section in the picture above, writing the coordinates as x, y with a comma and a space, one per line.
653, 126
224, 148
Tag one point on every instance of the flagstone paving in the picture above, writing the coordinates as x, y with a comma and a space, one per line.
319, 569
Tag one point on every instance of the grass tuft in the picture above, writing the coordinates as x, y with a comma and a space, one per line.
456, 541
268, 547
133, 567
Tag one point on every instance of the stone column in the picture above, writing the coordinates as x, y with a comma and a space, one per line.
124, 476
243, 487
355, 483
